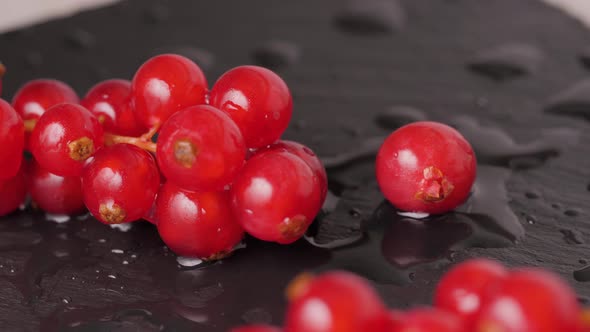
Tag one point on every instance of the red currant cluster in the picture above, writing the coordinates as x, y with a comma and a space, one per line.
475, 296
202, 165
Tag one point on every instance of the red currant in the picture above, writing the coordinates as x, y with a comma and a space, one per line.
530, 300
166, 84
120, 184
256, 328
53, 193
462, 289
200, 148
12, 136
429, 320
13, 192
309, 157
426, 167
332, 302
64, 137
258, 100
276, 196
387, 321
110, 102
37, 96
197, 224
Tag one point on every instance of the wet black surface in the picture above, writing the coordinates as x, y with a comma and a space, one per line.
357, 70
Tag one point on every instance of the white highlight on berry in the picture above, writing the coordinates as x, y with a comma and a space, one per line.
159, 89
407, 159
318, 314
259, 188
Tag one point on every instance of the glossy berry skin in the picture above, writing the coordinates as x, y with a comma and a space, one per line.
12, 139
166, 84
256, 328
120, 184
463, 288
426, 167
200, 148
333, 302
197, 224
530, 300
309, 157
429, 320
387, 321
53, 193
64, 138
258, 100
34, 98
13, 192
276, 196
110, 102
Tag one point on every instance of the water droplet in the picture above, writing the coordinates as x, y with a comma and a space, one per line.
397, 116
531, 220
572, 236
112, 276
58, 218
507, 61
124, 227
414, 215
276, 54
156, 13
371, 17
573, 101
117, 251
582, 275
80, 39
188, 261
66, 300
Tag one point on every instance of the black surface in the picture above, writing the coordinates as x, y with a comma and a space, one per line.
353, 71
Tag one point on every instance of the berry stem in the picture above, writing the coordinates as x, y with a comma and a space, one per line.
29, 124
2, 70
148, 136
141, 142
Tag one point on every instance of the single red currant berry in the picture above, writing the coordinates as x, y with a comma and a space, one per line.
34, 98
429, 320
197, 224
200, 148
309, 157
110, 102
530, 300
332, 302
256, 328
276, 196
166, 84
53, 193
258, 100
13, 192
387, 321
426, 167
120, 184
461, 290
64, 137
12, 140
